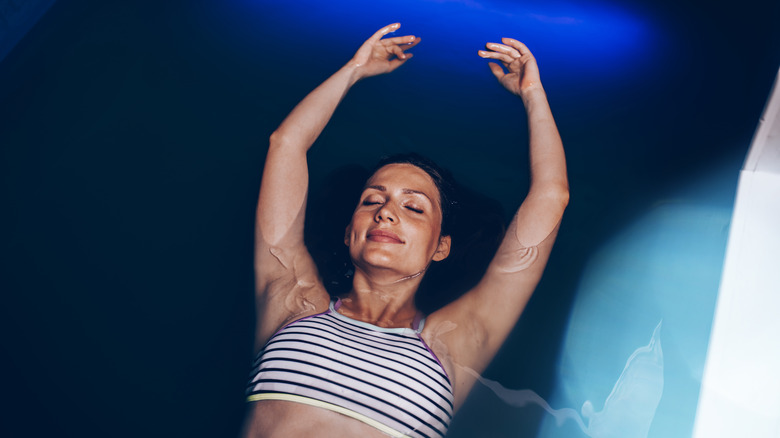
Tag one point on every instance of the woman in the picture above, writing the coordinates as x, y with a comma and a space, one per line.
369, 364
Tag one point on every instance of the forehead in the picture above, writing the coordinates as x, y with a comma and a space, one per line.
404, 176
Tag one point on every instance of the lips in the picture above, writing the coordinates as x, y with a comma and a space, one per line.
383, 236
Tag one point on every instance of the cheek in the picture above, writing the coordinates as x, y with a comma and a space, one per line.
359, 219
429, 233
353, 230
356, 224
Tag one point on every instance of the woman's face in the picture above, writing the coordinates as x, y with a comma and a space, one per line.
396, 225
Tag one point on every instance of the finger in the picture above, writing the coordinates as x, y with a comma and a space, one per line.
398, 52
405, 47
498, 72
520, 47
405, 43
414, 42
496, 55
395, 63
408, 39
507, 50
384, 31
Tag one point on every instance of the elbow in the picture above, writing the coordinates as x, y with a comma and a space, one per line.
289, 141
558, 199
554, 194
562, 195
277, 140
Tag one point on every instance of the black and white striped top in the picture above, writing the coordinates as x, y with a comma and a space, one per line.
385, 377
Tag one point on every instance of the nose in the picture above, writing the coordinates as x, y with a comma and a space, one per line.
385, 214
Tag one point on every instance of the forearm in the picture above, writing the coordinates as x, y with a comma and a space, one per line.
306, 121
282, 203
541, 211
548, 162
285, 181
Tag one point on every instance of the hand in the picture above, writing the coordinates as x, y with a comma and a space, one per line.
523, 73
377, 56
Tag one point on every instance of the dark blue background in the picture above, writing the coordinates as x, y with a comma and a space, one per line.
133, 137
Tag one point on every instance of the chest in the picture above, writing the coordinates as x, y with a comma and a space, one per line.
387, 375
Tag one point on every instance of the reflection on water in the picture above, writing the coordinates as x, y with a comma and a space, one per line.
522, 397
629, 409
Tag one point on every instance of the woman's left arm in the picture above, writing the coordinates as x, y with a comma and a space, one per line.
473, 328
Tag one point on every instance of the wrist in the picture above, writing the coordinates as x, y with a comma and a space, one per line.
352, 71
532, 93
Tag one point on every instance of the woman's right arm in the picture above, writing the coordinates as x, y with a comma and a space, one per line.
286, 280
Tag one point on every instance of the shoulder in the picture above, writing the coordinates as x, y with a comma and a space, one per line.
452, 340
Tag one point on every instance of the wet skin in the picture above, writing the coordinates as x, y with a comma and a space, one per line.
395, 234
395, 229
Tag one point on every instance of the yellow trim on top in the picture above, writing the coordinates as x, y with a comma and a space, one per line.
329, 406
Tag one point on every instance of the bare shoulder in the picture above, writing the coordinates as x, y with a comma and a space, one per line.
454, 337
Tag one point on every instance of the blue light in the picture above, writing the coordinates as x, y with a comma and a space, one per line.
574, 43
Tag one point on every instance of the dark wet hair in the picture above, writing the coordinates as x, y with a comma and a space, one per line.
441, 177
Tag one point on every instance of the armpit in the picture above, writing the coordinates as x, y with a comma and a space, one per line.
297, 281
279, 254
298, 304
516, 260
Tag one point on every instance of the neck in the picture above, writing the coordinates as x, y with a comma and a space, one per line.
385, 302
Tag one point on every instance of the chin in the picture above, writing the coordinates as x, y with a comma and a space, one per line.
374, 263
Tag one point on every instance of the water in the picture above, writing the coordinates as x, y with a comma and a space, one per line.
629, 409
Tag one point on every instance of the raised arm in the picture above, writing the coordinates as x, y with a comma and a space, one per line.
285, 277
472, 329
548, 196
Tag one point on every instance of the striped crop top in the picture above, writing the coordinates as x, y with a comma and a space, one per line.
385, 377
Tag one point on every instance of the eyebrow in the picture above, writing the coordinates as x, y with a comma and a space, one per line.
406, 191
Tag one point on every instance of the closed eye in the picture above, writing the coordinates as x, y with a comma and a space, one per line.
414, 209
